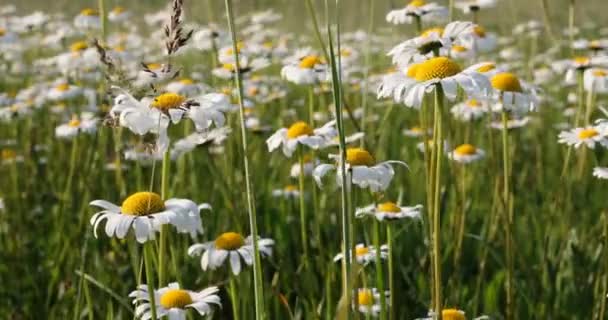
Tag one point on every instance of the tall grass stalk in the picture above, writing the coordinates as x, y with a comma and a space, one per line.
148, 252
162, 245
303, 228
438, 150
257, 272
508, 217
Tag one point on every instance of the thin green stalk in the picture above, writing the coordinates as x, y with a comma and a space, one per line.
438, 148
605, 276
233, 298
315, 24
303, 229
162, 241
150, 277
257, 279
571, 12
311, 105
451, 11
391, 272
578, 118
379, 270
508, 219
103, 17
367, 67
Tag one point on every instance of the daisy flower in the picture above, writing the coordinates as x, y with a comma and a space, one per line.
415, 132
512, 93
288, 192
600, 172
63, 91
232, 246
596, 80
512, 123
173, 302
366, 254
308, 69
119, 14
369, 301
589, 136
186, 87
592, 45
389, 211
146, 212
299, 133
578, 64
309, 167
417, 10
432, 40
87, 19
85, 124
444, 72
362, 170
469, 110
480, 40
466, 153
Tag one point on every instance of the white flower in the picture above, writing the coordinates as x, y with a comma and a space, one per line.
514, 123
361, 169
299, 133
512, 93
600, 172
596, 80
388, 211
232, 246
369, 301
308, 69
309, 166
119, 14
186, 87
589, 136
145, 212
86, 124
466, 153
288, 192
63, 91
87, 19
173, 302
366, 254
470, 110
417, 9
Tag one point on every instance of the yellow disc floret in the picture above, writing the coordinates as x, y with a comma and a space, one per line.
175, 298
417, 3
587, 133
440, 67
452, 314
63, 87
473, 103
229, 241
142, 204
486, 67
361, 251
88, 12
365, 297
168, 101
359, 157
299, 129
389, 207
506, 82
310, 62
465, 150
479, 31
430, 31
78, 46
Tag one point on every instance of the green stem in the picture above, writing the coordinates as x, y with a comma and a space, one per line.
257, 279
391, 273
303, 229
315, 25
150, 277
311, 105
234, 299
507, 215
162, 245
438, 148
103, 18
379, 270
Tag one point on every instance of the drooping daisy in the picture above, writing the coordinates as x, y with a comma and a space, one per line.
512, 93
366, 254
173, 302
430, 41
470, 110
299, 133
87, 19
361, 168
588, 136
389, 211
308, 69
466, 153
417, 9
232, 246
369, 301
600, 172
146, 212
84, 124
596, 80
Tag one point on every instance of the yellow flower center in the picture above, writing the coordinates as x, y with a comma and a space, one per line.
310, 62
361, 251
417, 3
465, 150
459, 48
74, 123
62, 87
229, 241
595, 44
389, 207
416, 129
299, 129
428, 32
78, 46
2, 32
186, 81
412, 69
8, 154
346, 52
267, 44
239, 46
506, 82
581, 60
486, 67
291, 188
119, 48
142, 204
473, 103
88, 12
359, 157
118, 10
600, 73
440, 67
153, 66
479, 31
168, 101
253, 91
452, 314
228, 66
175, 298
587, 133
365, 297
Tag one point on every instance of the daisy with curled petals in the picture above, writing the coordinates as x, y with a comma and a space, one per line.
309, 69
466, 153
429, 42
362, 170
173, 302
299, 133
600, 172
232, 246
369, 301
366, 254
84, 124
417, 11
389, 211
470, 110
445, 73
146, 213
512, 93
588, 136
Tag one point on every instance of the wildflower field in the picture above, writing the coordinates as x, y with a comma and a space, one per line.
313, 159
